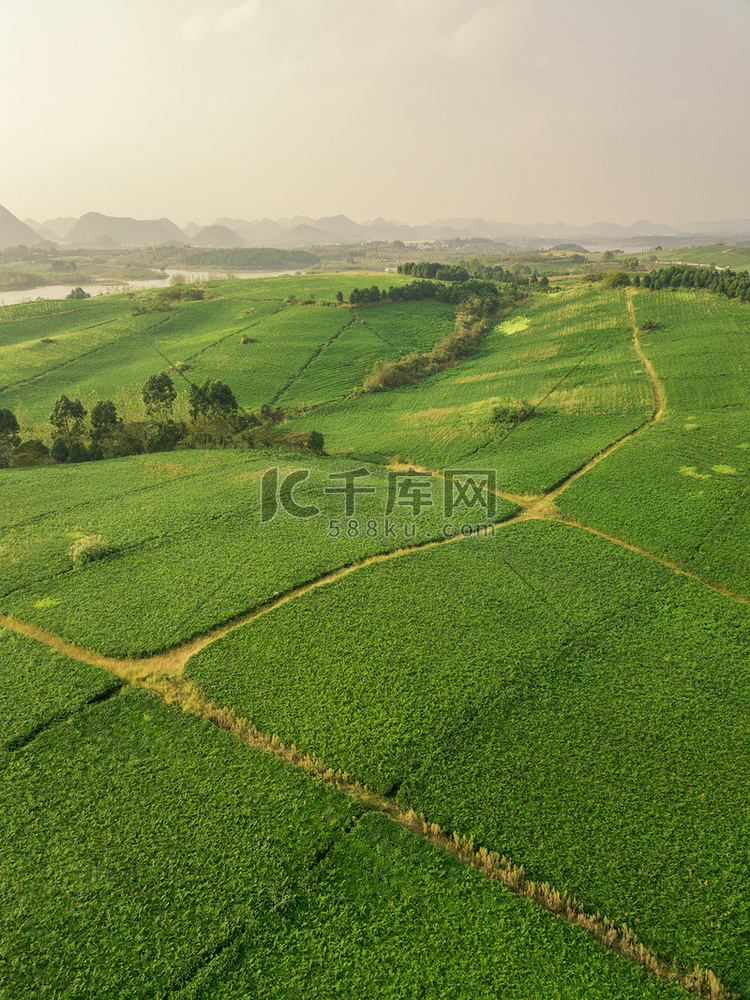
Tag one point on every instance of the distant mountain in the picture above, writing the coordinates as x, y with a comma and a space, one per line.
44, 231
215, 237
60, 227
15, 233
728, 226
305, 235
94, 229
255, 234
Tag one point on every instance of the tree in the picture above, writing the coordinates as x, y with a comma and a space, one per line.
78, 293
67, 417
212, 396
9, 438
159, 395
59, 450
103, 416
9, 427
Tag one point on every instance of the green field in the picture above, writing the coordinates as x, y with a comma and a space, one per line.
498, 707
569, 355
569, 688
39, 687
97, 349
736, 258
190, 551
680, 488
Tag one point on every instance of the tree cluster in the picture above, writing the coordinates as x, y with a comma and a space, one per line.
733, 284
479, 305
433, 269
456, 293
216, 421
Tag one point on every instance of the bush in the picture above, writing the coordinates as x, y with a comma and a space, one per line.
512, 412
59, 450
29, 453
78, 452
89, 549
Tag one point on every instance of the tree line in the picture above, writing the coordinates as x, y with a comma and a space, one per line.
216, 421
732, 284
479, 305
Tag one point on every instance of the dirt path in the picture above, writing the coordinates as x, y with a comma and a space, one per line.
162, 674
658, 412
172, 663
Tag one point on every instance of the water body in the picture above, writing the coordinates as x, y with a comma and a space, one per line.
62, 291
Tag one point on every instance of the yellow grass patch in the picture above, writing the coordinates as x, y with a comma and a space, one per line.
47, 602
515, 325
433, 415
483, 377
248, 477
690, 427
725, 470
692, 471
160, 469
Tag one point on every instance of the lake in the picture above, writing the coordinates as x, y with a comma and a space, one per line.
62, 291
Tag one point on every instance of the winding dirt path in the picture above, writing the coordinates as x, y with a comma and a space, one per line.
144, 670
658, 411
162, 673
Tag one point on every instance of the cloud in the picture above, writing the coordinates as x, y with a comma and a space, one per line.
492, 25
217, 21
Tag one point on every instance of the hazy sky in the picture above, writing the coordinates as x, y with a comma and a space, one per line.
514, 110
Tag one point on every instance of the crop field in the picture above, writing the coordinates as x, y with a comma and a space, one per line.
97, 349
410, 326
681, 488
39, 686
248, 886
737, 258
125, 864
381, 918
503, 707
190, 551
569, 355
315, 645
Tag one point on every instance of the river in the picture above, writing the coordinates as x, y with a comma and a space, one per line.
62, 291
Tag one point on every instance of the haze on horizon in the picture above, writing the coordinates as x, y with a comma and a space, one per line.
514, 110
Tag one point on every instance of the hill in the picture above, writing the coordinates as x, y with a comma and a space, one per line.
93, 230
14, 233
217, 237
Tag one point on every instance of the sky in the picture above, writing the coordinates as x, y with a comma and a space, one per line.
514, 110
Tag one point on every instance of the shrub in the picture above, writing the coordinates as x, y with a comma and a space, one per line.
59, 450
512, 412
88, 549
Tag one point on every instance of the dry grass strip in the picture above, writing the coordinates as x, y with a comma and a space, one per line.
620, 939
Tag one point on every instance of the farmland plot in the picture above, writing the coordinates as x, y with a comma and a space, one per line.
38, 686
190, 550
680, 488
137, 842
566, 702
570, 356
388, 915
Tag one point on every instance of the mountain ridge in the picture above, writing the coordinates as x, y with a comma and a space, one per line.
95, 230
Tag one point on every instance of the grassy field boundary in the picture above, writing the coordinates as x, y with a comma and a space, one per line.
87, 354
316, 354
658, 411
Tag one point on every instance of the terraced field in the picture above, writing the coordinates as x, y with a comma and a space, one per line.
566, 688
